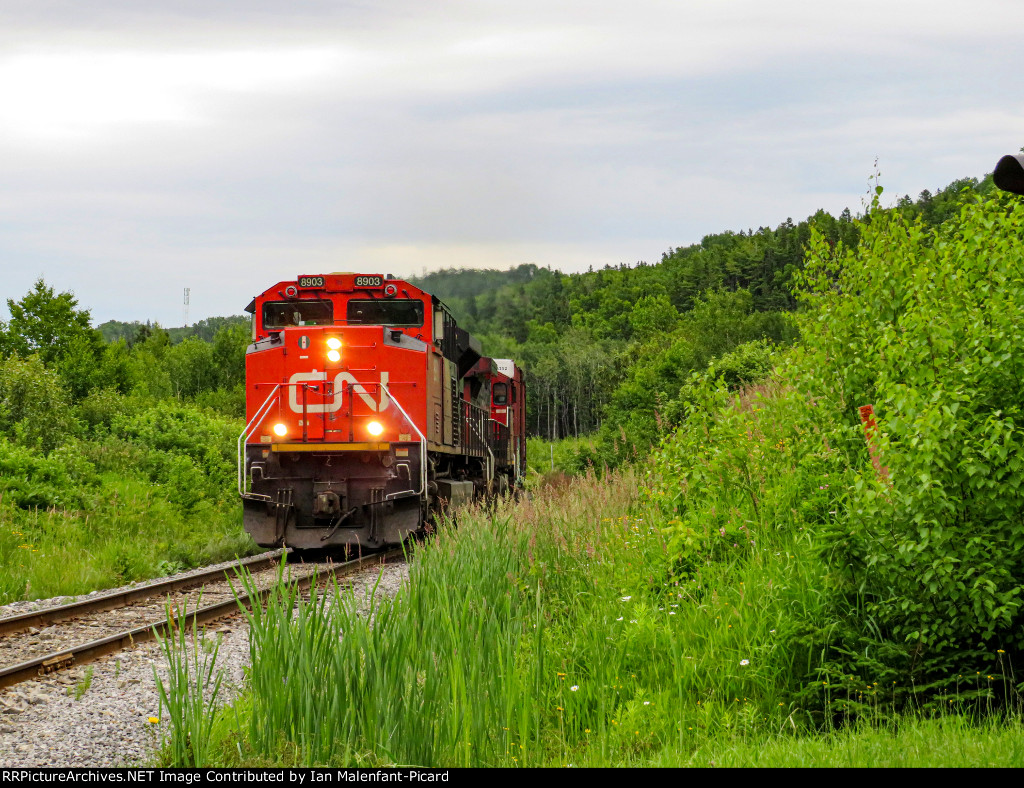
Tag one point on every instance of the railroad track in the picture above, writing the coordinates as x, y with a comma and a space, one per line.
46, 641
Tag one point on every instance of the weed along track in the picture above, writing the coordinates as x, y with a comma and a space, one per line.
50, 640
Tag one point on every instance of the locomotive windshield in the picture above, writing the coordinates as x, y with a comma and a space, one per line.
393, 312
280, 314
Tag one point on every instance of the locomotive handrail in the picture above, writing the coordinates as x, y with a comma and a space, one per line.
508, 417
423, 446
501, 434
243, 438
486, 443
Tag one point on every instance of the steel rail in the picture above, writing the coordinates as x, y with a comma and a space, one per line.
88, 652
119, 599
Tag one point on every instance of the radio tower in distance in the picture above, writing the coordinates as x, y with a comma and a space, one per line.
186, 307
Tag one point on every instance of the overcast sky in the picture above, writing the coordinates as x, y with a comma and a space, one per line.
223, 145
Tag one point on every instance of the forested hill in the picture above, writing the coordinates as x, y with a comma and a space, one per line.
610, 350
135, 331
527, 297
462, 283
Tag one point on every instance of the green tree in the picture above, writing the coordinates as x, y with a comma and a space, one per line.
229, 347
48, 323
653, 315
191, 367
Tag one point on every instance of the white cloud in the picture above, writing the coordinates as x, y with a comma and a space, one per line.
66, 96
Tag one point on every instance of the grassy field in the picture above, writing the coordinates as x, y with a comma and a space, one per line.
148, 489
556, 631
131, 534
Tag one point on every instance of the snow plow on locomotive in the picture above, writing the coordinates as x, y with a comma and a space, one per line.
368, 410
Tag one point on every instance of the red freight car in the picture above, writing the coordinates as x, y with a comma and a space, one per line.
368, 409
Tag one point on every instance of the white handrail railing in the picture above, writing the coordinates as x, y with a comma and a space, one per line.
260, 413
423, 446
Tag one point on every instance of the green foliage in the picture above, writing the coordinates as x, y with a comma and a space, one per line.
653, 391
82, 686
78, 505
100, 407
34, 408
229, 345
630, 314
149, 375
135, 331
46, 323
29, 480
98, 488
223, 401
553, 461
452, 284
924, 324
563, 632
191, 692
49, 325
190, 365
949, 741
653, 316
749, 363
189, 452
208, 328
913, 557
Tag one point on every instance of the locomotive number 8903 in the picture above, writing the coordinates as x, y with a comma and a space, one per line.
369, 410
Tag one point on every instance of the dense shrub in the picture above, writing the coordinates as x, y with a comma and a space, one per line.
29, 479
34, 405
922, 581
925, 325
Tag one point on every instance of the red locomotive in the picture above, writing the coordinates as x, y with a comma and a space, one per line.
368, 410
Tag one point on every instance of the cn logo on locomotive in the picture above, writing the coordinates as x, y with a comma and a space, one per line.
295, 401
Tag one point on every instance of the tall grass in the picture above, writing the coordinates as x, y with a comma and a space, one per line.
553, 631
189, 697
564, 456
440, 674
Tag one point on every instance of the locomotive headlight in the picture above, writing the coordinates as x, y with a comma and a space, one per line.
280, 430
375, 428
334, 343
333, 355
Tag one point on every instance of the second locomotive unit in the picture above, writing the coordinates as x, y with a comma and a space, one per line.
368, 409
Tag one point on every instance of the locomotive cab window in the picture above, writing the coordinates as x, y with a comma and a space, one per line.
406, 312
281, 314
500, 391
